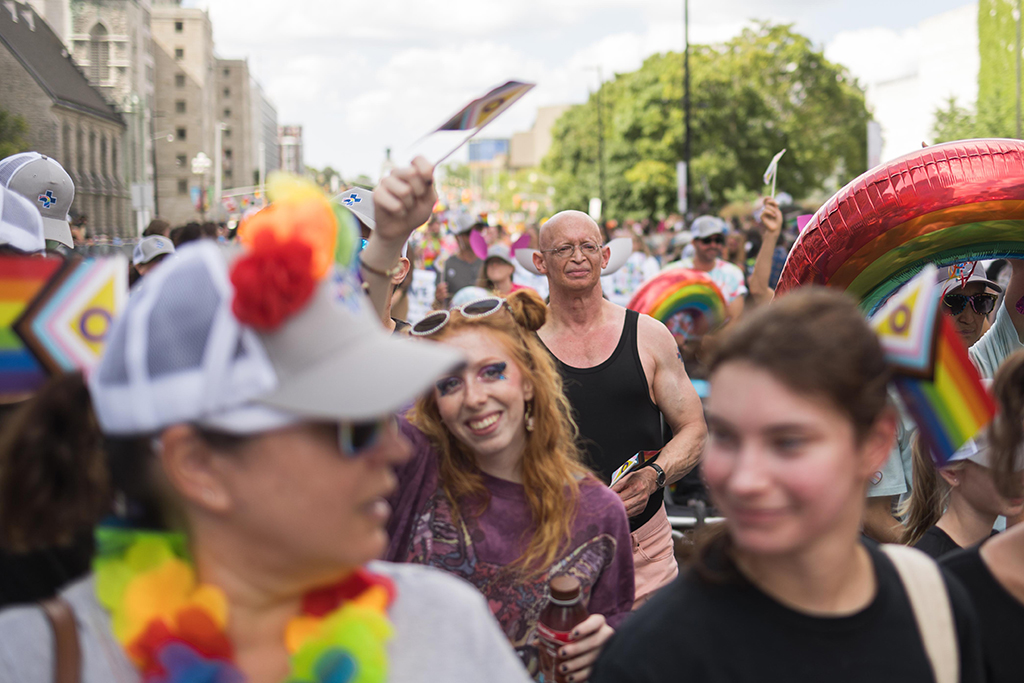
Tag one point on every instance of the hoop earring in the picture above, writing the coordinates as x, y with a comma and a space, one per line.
529, 416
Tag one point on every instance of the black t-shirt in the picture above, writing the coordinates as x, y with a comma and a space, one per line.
700, 632
1000, 615
936, 543
38, 575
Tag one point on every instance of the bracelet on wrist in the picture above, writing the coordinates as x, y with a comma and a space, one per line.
390, 273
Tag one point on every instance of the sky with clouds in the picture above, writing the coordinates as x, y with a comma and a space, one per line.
363, 76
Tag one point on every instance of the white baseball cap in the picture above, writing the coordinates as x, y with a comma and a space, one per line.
46, 184
178, 354
951, 280
706, 226
150, 247
360, 202
21, 226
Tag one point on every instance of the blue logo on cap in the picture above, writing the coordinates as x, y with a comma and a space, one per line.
47, 199
351, 199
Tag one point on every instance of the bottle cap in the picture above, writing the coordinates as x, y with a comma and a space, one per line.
565, 588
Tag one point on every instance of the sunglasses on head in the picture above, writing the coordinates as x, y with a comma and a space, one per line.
438, 319
713, 239
355, 438
981, 303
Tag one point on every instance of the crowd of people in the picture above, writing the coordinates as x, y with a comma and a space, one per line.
321, 454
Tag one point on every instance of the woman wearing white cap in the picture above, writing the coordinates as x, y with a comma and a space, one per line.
497, 271
245, 403
955, 506
993, 573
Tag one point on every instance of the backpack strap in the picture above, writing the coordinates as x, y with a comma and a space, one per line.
933, 611
67, 658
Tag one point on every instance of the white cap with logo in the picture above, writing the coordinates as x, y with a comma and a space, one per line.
21, 226
46, 184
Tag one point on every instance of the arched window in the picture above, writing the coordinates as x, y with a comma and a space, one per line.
99, 54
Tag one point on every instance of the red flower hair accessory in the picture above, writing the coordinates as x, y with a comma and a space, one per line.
272, 282
290, 247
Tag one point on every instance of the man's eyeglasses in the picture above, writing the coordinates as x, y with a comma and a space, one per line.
713, 239
436, 321
588, 249
981, 303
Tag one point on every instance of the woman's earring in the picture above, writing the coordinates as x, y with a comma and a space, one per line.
529, 417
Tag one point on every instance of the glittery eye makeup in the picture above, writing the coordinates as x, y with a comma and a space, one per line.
448, 385
495, 371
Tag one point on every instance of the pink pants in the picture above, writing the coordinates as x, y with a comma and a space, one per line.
654, 559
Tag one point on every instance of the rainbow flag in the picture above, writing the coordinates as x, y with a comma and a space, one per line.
934, 375
483, 110
21, 279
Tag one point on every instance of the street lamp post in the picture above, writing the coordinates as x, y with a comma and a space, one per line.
218, 163
600, 139
201, 166
686, 91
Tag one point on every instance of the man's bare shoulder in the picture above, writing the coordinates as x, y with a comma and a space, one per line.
653, 336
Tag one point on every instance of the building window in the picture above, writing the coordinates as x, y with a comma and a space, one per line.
179, 53
227, 153
99, 54
227, 173
182, 185
179, 26
227, 73
227, 113
227, 132
227, 92
181, 160
179, 80
182, 134
179, 107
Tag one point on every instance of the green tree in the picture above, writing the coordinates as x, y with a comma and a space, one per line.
12, 134
765, 90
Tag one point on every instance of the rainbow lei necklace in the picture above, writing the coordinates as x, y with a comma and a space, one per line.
172, 627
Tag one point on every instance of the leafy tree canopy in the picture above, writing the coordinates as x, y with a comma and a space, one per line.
765, 90
12, 134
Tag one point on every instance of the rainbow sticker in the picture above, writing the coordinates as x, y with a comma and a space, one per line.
679, 294
21, 279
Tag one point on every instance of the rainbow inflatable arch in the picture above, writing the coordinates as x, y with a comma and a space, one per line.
950, 203
676, 291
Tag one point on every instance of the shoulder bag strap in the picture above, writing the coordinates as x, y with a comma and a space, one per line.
67, 658
933, 611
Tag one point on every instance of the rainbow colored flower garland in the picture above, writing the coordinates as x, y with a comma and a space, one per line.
173, 628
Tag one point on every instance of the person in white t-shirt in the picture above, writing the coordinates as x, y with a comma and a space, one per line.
709, 243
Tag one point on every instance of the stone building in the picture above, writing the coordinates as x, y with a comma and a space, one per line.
234, 110
67, 118
112, 42
186, 102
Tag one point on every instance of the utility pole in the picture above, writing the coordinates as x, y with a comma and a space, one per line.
218, 166
686, 90
600, 139
1017, 16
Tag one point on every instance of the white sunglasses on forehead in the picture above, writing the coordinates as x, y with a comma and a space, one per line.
436, 321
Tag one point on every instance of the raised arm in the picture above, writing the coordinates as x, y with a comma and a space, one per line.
402, 202
677, 400
760, 292
1015, 294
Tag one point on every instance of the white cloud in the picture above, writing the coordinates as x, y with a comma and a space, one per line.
877, 55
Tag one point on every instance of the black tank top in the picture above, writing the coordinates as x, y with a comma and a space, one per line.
614, 411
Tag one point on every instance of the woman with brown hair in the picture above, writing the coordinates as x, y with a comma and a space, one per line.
994, 572
955, 506
495, 492
786, 589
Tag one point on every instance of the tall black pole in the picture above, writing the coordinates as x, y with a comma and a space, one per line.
152, 149
600, 141
1018, 13
686, 93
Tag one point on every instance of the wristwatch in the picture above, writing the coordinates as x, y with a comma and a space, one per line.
661, 474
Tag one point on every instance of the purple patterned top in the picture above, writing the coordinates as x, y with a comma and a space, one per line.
478, 548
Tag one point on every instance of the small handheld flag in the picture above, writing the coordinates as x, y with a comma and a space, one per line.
483, 110
772, 171
933, 372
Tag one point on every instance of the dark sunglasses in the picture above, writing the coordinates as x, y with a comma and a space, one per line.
981, 303
355, 438
476, 309
713, 239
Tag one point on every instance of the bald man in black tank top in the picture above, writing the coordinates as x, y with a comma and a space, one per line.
622, 373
